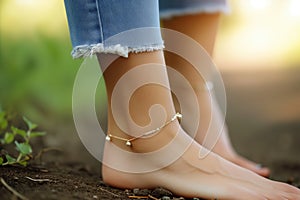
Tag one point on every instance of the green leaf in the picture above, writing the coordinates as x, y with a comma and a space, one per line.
1, 161
36, 134
8, 138
18, 131
23, 148
30, 125
3, 121
10, 159
23, 162
3, 124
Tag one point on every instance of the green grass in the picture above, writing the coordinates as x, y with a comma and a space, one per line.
37, 74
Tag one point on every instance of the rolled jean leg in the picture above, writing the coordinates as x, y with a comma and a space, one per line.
172, 8
114, 26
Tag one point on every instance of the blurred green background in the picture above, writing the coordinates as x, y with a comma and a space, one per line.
37, 71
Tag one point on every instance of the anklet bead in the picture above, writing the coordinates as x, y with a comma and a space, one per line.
128, 143
107, 138
178, 115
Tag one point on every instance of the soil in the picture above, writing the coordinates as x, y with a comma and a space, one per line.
77, 181
264, 122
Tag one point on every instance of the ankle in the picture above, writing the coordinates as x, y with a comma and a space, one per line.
146, 141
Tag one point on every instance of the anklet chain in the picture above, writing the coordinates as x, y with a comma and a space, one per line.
109, 137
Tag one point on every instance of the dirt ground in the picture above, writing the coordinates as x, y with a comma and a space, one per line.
263, 116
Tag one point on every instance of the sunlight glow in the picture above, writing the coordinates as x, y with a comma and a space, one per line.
25, 2
294, 8
260, 4
267, 35
32, 16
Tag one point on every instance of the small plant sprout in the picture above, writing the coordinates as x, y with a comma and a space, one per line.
9, 135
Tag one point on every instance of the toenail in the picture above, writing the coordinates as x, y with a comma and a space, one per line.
259, 166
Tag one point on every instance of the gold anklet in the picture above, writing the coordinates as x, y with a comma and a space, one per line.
109, 137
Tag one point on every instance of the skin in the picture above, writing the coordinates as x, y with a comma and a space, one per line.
203, 29
188, 176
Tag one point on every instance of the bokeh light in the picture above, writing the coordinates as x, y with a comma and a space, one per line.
264, 34
19, 17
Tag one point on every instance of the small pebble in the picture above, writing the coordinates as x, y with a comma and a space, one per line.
196, 199
135, 190
160, 192
101, 183
127, 192
166, 198
290, 180
95, 197
141, 192
76, 187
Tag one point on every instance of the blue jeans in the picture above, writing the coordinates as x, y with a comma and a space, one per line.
124, 26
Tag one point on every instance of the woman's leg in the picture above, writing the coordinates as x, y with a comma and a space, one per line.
139, 95
203, 28
176, 167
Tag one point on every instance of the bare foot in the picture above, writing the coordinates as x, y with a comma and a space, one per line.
224, 148
210, 116
230, 154
188, 176
205, 102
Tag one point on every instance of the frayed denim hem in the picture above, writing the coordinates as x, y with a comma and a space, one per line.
169, 13
83, 51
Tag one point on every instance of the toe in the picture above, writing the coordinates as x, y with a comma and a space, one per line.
263, 171
257, 168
